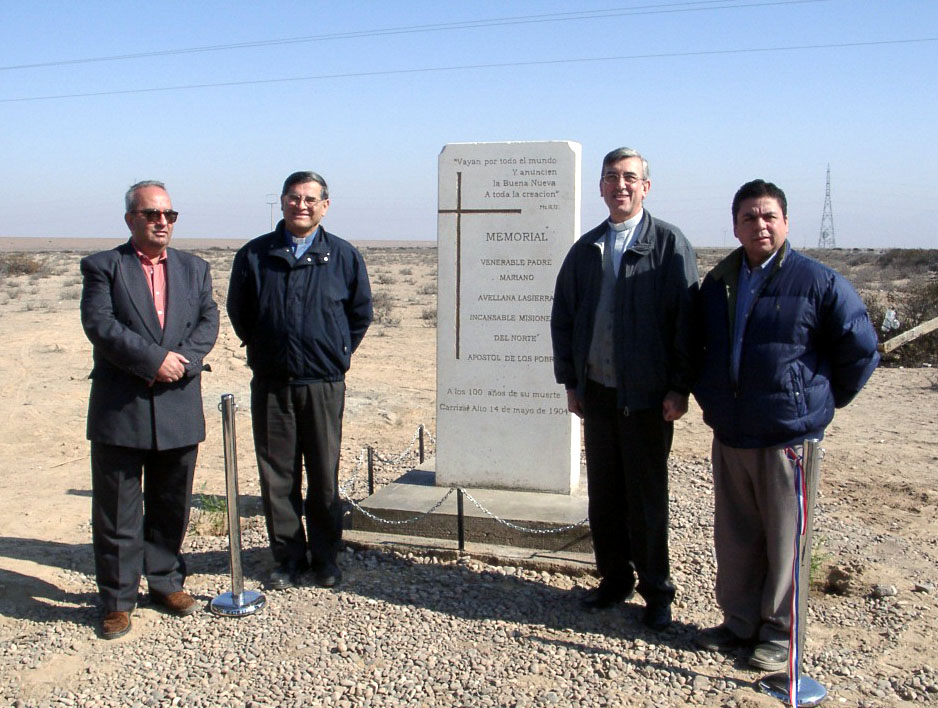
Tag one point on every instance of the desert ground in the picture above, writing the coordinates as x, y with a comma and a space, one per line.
877, 519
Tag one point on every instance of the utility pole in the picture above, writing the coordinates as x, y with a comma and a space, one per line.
272, 201
826, 237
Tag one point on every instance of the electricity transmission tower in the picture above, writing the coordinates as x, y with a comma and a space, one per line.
826, 237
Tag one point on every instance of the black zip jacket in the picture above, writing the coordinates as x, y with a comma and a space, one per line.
300, 319
654, 306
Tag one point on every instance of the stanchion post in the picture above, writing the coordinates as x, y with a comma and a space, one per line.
371, 470
239, 602
460, 521
420, 441
792, 686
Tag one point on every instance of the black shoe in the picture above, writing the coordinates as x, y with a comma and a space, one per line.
607, 594
720, 638
287, 575
770, 656
328, 575
657, 616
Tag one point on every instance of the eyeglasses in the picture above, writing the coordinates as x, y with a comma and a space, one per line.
153, 215
629, 178
296, 200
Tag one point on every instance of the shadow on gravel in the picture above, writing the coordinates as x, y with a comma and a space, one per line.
25, 597
461, 591
68, 556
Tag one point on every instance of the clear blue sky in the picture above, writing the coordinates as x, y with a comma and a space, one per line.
687, 84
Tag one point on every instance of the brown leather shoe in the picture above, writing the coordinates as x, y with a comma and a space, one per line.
179, 603
115, 624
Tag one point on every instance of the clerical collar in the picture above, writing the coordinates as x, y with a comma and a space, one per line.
297, 241
628, 224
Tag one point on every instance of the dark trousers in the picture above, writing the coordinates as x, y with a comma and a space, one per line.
627, 481
293, 425
136, 530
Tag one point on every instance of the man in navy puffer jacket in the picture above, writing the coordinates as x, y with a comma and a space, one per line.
785, 341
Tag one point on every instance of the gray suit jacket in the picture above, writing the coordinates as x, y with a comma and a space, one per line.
119, 318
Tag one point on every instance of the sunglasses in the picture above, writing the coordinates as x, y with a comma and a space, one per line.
153, 215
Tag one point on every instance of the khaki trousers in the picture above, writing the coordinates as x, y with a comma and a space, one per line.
755, 523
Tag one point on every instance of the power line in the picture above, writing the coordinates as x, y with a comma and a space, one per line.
468, 67
704, 5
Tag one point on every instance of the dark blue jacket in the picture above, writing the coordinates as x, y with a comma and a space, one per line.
808, 348
300, 319
653, 331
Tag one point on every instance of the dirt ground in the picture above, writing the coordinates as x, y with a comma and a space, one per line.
880, 468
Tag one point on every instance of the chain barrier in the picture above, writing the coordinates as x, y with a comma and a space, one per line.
344, 493
344, 488
401, 522
516, 527
407, 451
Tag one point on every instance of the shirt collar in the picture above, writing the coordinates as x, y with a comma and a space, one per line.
146, 260
296, 240
628, 224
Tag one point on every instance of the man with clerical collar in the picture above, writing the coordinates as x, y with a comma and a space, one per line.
149, 314
784, 341
300, 301
622, 331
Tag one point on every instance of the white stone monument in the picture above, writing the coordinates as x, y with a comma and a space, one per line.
508, 214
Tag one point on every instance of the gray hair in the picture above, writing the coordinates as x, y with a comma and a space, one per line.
621, 154
131, 193
304, 178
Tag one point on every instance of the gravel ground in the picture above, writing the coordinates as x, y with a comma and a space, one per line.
406, 630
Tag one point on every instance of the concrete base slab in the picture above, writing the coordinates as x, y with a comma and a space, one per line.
514, 519
566, 562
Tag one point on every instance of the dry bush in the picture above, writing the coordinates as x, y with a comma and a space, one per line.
917, 304
384, 279
428, 316
20, 264
72, 292
383, 305
428, 289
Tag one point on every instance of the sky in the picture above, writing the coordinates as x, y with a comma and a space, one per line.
222, 100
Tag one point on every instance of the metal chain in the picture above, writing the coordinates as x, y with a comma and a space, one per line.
405, 453
344, 493
343, 488
516, 527
402, 521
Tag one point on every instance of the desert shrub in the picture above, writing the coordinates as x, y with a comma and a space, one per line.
384, 279
428, 316
19, 264
428, 289
909, 260
72, 292
211, 517
913, 307
383, 307
406, 271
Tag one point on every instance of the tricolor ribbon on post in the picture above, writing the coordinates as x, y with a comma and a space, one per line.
801, 499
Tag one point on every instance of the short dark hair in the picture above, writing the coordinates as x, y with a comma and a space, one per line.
759, 188
303, 178
621, 154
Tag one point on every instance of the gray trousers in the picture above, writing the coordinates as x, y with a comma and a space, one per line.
139, 513
293, 425
754, 530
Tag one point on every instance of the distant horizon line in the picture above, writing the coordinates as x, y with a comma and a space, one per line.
10, 244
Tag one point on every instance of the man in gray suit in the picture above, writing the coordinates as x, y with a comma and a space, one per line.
149, 313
